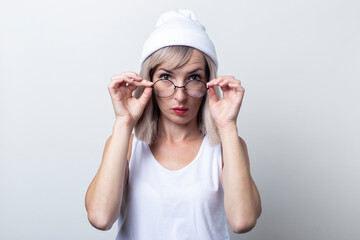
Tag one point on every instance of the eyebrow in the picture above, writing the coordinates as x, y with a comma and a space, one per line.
195, 70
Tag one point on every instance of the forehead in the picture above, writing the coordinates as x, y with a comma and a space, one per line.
196, 60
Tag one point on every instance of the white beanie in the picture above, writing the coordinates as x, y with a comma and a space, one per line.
179, 27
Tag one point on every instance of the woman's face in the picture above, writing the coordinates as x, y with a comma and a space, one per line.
181, 108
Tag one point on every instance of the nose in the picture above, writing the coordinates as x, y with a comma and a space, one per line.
180, 94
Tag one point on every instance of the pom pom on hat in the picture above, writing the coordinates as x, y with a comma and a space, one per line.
179, 27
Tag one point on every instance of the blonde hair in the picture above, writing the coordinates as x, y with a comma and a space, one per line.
147, 125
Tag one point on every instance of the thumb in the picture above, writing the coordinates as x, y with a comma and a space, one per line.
145, 96
212, 96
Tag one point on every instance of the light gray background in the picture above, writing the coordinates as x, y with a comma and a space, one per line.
298, 62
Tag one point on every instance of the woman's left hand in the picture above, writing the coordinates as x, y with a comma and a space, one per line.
225, 111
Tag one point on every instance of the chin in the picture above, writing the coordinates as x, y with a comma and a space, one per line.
181, 119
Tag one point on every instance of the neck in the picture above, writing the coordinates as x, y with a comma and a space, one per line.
170, 131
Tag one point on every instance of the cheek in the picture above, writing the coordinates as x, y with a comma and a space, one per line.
197, 103
160, 102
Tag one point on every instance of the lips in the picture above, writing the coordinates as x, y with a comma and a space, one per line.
180, 110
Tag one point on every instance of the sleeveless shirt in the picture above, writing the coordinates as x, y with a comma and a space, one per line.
185, 204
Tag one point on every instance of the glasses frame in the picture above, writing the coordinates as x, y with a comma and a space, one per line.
184, 87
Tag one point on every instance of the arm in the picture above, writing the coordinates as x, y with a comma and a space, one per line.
241, 197
104, 195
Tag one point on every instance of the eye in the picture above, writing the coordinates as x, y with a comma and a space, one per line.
195, 77
164, 76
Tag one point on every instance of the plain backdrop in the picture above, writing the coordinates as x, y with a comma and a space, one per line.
298, 61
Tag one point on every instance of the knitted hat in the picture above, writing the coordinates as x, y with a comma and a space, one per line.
179, 27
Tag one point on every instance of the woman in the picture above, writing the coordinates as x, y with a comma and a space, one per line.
185, 171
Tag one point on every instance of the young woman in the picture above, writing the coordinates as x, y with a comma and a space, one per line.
185, 172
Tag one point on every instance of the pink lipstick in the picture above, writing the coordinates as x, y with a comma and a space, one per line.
180, 110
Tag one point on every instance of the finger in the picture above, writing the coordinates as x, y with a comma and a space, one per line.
129, 83
117, 82
143, 82
235, 81
134, 85
223, 82
225, 88
114, 83
232, 81
146, 82
124, 77
225, 85
227, 76
212, 96
237, 87
216, 81
136, 78
145, 96
131, 75
127, 75
211, 81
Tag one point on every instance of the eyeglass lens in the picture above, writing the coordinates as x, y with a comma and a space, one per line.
166, 88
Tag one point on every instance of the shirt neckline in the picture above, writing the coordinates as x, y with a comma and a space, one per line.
181, 169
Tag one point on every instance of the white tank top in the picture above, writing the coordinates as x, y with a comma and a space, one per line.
186, 204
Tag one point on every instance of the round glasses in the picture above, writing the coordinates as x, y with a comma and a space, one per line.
165, 88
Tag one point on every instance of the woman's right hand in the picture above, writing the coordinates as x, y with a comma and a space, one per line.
127, 108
